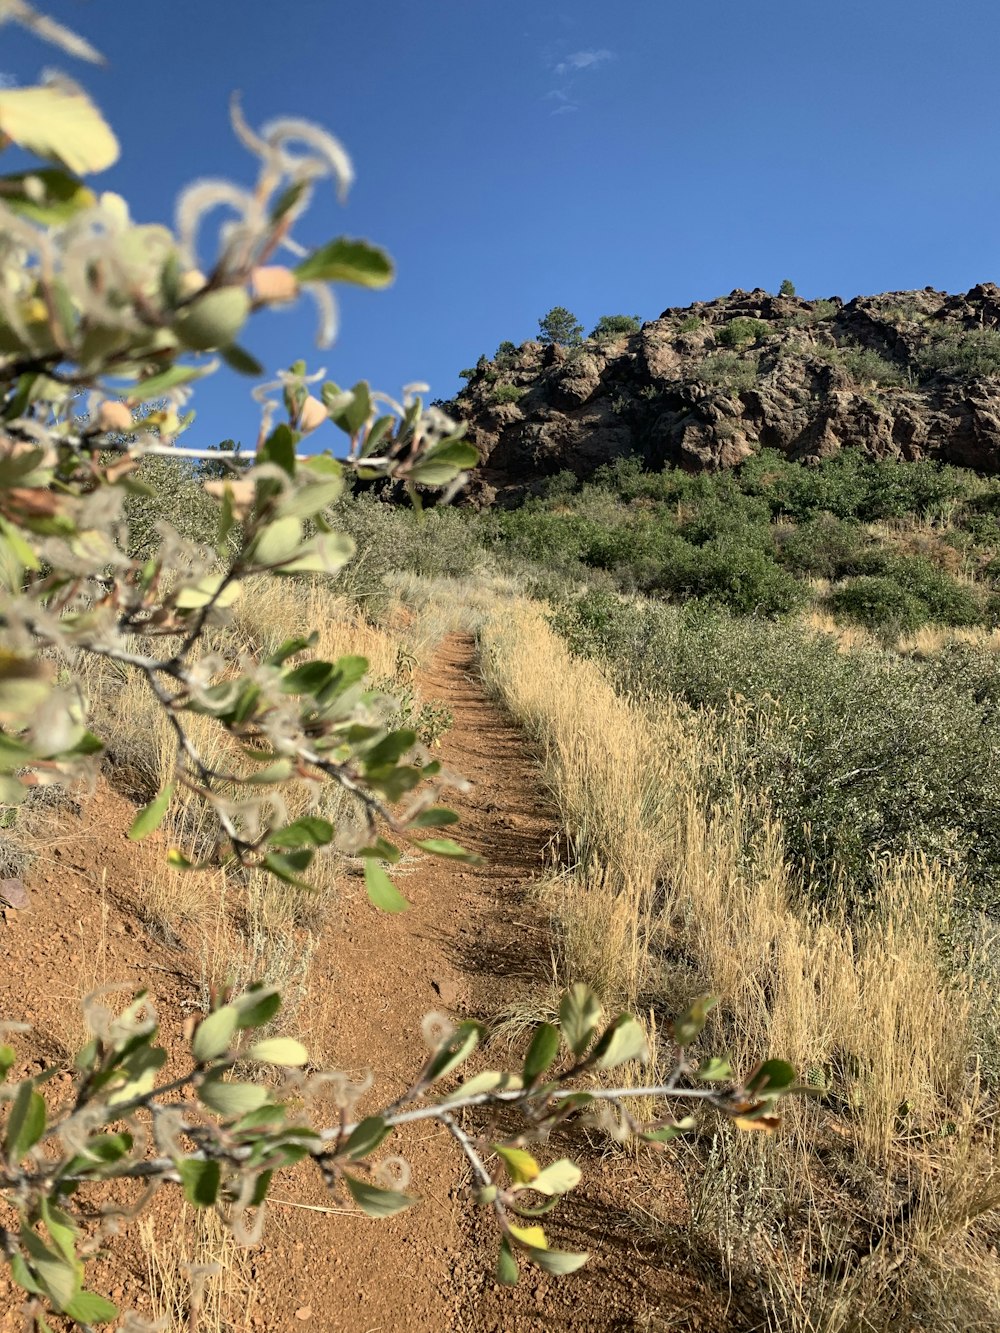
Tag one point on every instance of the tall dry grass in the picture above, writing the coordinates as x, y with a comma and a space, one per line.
677, 884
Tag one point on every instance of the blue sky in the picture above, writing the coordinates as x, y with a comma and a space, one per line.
613, 158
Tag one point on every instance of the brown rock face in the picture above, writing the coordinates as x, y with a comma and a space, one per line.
903, 375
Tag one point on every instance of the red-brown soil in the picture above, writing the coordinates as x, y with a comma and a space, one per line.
472, 943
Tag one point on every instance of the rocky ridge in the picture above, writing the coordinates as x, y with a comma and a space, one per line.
904, 375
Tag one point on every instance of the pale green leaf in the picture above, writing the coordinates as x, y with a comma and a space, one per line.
279, 1051
381, 890
580, 1011
215, 1033
374, 1201
58, 121
150, 817
344, 260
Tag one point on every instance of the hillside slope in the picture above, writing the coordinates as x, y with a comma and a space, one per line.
903, 375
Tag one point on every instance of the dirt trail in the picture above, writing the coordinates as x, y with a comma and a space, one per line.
446, 953
471, 942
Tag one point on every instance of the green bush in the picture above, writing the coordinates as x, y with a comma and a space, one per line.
507, 393
729, 370
861, 754
975, 352
614, 326
787, 287
866, 366
742, 332
879, 603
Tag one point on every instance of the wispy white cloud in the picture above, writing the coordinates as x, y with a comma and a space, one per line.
583, 60
565, 109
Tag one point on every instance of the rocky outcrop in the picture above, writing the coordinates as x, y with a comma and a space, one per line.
904, 375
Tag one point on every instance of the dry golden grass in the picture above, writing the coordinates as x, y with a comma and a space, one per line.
670, 894
197, 1276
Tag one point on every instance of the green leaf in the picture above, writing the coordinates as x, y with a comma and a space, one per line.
436, 817
543, 1050
391, 748
624, 1040
669, 1132
21, 1274
290, 647
446, 847
214, 1034
239, 359
279, 448
326, 554
256, 1006
687, 1026
558, 1262
374, 1201
490, 1080
382, 850
580, 1011
231, 1100
285, 1051
8, 1058
383, 893
521, 1166
558, 1178
458, 454
25, 1123
366, 1137
433, 473
193, 596
714, 1070
61, 1228
150, 817
261, 1186
54, 196
311, 499
507, 1270
453, 1050
310, 830
60, 122
355, 410
55, 1274
157, 385
380, 429
200, 1181
87, 1307
88, 744
288, 866
277, 543
344, 260
771, 1078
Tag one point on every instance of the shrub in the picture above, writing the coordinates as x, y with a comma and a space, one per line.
508, 393
690, 324
787, 287
879, 603
614, 326
975, 352
866, 366
823, 547
741, 332
821, 310
729, 370
862, 754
